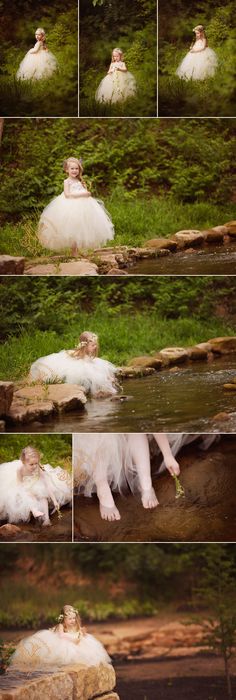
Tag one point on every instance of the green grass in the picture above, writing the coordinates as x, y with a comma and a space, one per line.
54, 449
122, 335
136, 219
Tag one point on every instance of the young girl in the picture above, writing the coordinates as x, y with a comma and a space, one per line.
79, 366
119, 84
105, 461
74, 219
66, 643
39, 62
30, 488
200, 62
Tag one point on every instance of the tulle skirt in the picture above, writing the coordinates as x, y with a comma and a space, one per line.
37, 66
93, 374
108, 456
198, 66
47, 649
116, 87
19, 498
99, 456
82, 221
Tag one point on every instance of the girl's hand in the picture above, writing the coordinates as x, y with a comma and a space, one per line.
173, 467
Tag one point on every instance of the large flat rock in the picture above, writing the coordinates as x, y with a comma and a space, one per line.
10, 265
223, 345
74, 268
33, 402
72, 683
6, 396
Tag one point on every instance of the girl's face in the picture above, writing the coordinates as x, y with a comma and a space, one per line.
38, 36
91, 348
197, 34
73, 170
31, 463
116, 56
70, 616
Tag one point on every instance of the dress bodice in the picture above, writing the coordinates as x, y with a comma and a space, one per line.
75, 186
199, 45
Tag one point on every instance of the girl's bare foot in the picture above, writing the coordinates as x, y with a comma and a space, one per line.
107, 506
37, 513
149, 499
109, 513
46, 523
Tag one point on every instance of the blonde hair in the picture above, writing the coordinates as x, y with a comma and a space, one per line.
200, 28
84, 338
28, 452
120, 52
61, 619
40, 30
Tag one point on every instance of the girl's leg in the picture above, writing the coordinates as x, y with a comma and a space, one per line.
43, 512
107, 505
139, 447
74, 250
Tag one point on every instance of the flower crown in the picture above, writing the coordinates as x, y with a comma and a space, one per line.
60, 618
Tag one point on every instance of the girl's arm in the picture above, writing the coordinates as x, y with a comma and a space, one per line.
70, 195
46, 478
59, 629
199, 50
19, 474
111, 68
36, 47
122, 67
170, 462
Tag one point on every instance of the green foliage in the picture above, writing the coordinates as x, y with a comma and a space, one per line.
6, 652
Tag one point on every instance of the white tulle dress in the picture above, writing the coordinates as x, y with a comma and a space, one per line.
92, 373
79, 220
117, 86
48, 648
18, 498
198, 64
39, 63
108, 455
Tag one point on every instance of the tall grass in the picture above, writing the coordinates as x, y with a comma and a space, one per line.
122, 335
136, 219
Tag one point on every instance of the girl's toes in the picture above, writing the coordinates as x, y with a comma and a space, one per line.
149, 499
110, 514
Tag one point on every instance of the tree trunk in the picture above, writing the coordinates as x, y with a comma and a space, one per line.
228, 679
1, 127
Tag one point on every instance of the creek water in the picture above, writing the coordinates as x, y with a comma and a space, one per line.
206, 512
184, 400
207, 261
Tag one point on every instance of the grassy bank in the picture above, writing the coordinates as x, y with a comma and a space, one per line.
55, 449
21, 606
136, 219
122, 336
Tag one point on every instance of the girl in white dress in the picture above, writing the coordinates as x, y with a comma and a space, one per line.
39, 63
28, 487
74, 219
65, 644
79, 366
104, 462
119, 84
200, 62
